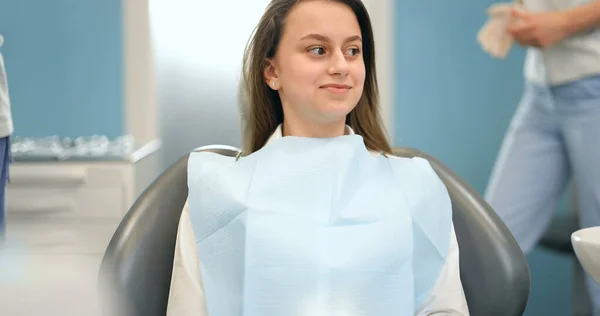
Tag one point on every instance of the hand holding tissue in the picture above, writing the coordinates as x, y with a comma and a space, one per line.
493, 37
317, 227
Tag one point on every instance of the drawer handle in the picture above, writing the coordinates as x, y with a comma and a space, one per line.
54, 239
22, 179
46, 244
37, 210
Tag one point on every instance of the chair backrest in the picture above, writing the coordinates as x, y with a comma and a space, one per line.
494, 272
135, 273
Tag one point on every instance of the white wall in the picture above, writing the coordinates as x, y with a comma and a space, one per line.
382, 18
198, 48
140, 109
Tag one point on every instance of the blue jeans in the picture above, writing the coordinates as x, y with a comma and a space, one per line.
5, 159
553, 137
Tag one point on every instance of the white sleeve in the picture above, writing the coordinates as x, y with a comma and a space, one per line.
447, 296
186, 296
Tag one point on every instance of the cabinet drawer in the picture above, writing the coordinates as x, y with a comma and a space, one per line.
67, 203
69, 190
60, 237
68, 175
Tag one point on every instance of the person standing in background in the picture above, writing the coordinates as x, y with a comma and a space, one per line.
6, 129
555, 133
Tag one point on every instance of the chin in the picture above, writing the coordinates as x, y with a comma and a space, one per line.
339, 108
334, 114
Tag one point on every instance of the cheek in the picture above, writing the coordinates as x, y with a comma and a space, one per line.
302, 79
360, 73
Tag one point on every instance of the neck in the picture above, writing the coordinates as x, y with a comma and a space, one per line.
314, 130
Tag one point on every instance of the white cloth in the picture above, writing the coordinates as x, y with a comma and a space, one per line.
572, 59
6, 123
187, 296
493, 37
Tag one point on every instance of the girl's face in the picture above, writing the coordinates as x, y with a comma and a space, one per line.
318, 69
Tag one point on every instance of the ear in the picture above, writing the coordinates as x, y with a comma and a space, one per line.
272, 75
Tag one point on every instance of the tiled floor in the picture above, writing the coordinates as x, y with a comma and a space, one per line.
48, 285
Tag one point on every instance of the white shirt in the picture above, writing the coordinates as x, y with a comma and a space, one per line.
186, 296
572, 59
6, 123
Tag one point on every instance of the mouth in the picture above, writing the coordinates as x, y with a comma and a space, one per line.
336, 88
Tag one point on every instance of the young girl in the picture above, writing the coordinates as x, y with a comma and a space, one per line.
315, 217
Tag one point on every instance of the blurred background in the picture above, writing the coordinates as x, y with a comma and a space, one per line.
154, 79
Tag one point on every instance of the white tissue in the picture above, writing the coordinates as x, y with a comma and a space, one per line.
493, 37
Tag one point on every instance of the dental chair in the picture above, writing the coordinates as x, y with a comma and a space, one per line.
135, 272
557, 239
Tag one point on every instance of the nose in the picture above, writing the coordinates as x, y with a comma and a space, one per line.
338, 65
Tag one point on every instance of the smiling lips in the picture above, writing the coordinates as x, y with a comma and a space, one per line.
336, 88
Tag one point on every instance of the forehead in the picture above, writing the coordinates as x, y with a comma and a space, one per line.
329, 18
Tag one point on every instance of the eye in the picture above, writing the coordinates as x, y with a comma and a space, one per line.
318, 51
353, 51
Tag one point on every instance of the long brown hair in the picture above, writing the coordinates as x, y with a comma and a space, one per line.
261, 106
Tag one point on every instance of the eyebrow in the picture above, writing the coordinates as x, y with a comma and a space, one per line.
327, 39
